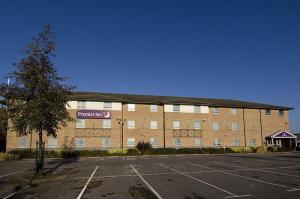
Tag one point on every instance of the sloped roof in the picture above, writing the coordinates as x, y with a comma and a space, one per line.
153, 99
282, 134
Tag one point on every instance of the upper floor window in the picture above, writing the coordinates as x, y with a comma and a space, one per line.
106, 123
197, 109
79, 142
23, 142
153, 108
81, 104
234, 111
107, 105
131, 107
52, 142
234, 126
131, 124
176, 124
80, 123
197, 125
215, 110
281, 113
176, 108
153, 125
268, 112
216, 126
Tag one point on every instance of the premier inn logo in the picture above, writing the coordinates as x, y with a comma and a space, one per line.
93, 114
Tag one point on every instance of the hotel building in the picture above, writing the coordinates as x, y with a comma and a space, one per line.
108, 120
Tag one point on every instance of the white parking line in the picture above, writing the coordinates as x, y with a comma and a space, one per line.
232, 195
146, 183
248, 178
14, 193
87, 183
261, 170
14, 173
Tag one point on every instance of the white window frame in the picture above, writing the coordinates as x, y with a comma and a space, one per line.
107, 105
153, 108
215, 110
153, 124
217, 142
281, 112
198, 141
104, 141
252, 142
80, 123
154, 142
175, 141
197, 125
106, 123
81, 104
236, 142
23, 142
131, 142
131, 124
176, 108
79, 142
234, 126
216, 126
176, 124
131, 107
197, 109
234, 111
52, 142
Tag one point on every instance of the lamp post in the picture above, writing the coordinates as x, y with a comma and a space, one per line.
121, 121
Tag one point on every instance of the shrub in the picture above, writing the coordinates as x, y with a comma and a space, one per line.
70, 154
5, 156
25, 153
143, 146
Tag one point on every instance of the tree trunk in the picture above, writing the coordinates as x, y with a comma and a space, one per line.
40, 155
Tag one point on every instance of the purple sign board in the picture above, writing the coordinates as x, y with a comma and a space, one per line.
93, 114
284, 134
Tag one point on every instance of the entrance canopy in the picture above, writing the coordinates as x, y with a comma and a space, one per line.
282, 134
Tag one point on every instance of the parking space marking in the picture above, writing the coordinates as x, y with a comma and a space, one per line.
87, 183
248, 178
232, 195
14, 193
261, 170
146, 183
14, 173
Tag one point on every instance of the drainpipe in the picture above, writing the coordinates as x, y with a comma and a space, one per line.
245, 140
164, 125
261, 129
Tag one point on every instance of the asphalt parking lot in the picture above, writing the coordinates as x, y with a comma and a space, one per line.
272, 175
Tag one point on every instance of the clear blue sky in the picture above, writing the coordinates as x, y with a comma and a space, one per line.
247, 50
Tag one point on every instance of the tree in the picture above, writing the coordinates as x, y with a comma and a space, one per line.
37, 96
3, 128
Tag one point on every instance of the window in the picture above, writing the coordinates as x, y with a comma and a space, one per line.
153, 141
197, 109
107, 105
268, 112
176, 141
197, 125
215, 110
131, 142
81, 104
252, 142
234, 111
236, 142
153, 125
52, 142
176, 124
79, 142
106, 141
176, 108
153, 108
217, 142
198, 141
106, 123
80, 123
234, 126
131, 124
131, 107
23, 142
216, 126
281, 113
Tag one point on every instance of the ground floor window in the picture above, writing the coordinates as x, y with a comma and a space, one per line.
131, 142
198, 142
176, 141
252, 142
217, 142
23, 142
79, 142
52, 142
153, 141
236, 142
106, 141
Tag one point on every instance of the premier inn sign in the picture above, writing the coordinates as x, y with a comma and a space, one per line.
93, 114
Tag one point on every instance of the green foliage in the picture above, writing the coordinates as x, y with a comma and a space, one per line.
37, 95
143, 146
5, 156
3, 128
